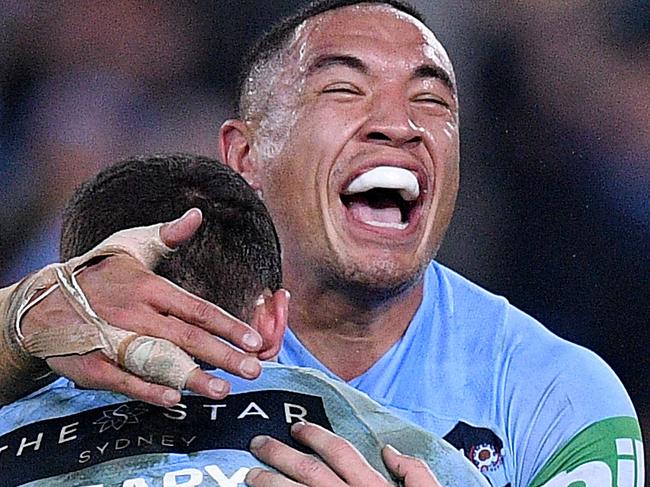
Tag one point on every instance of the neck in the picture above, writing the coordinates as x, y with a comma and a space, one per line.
349, 333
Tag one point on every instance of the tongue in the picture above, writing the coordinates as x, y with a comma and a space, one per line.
378, 215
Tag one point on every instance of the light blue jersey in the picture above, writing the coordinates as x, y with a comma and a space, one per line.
525, 406
64, 436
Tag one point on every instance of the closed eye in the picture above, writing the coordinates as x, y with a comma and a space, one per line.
342, 88
433, 100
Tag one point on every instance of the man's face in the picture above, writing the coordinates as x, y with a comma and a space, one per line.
363, 183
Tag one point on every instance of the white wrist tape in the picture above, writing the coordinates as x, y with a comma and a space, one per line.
153, 359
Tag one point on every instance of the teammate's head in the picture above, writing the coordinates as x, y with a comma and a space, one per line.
230, 261
333, 93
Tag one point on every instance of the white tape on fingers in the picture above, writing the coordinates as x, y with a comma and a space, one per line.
158, 361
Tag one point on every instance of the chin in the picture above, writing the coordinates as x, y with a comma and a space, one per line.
378, 279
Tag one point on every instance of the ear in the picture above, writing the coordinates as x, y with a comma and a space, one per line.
235, 144
270, 320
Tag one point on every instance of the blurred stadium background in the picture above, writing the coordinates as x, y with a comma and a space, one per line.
554, 209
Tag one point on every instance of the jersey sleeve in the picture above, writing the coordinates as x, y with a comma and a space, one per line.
571, 421
607, 453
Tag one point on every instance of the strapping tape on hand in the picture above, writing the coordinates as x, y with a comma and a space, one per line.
153, 359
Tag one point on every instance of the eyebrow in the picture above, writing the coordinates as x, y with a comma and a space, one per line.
327, 60
423, 71
432, 71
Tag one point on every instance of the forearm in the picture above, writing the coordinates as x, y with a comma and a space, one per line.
20, 374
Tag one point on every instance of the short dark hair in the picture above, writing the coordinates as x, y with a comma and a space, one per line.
235, 254
275, 39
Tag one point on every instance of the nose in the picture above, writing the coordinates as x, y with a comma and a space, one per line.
389, 123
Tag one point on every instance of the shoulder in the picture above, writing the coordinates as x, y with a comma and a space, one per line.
545, 390
575, 421
453, 286
58, 399
562, 375
525, 354
362, 418
564, 404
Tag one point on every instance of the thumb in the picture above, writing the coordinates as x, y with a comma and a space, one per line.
181, 230
413, 471
146, 244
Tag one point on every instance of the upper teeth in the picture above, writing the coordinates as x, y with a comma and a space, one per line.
387, 177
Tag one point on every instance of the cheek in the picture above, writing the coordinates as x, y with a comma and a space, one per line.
288, 183
452, 147
315, 143
297, 174
450, 135
273, 133
442, 142
449, 156
336, 119
275, 129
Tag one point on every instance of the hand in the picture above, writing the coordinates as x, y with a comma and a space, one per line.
412, 471
340, 463
128, 295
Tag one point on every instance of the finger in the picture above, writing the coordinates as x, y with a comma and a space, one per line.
413, 471
170, 299
181, 230
296, 465
258, 477
201, 345
194, 340
94, 371
338, 454
207, 385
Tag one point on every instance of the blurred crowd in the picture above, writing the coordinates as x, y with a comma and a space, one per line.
554, 210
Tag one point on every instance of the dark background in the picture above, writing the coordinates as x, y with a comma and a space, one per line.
554, 209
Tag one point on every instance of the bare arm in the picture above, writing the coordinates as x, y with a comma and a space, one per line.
20, 374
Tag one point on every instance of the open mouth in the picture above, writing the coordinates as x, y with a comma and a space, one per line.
383, 197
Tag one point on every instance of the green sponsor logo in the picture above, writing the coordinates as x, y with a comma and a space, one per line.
606, 454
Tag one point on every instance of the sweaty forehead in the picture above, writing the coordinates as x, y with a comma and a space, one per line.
371, 31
